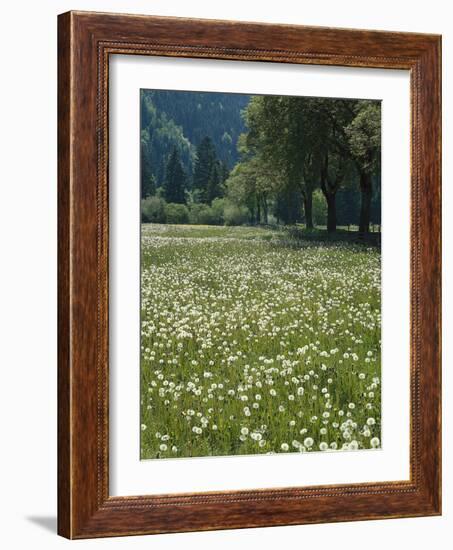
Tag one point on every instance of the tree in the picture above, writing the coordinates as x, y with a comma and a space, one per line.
301, 145
241, 188
214, 187
147, 180
264, 150
290, 133
364, 135
153, 210
224, 172
331, 179
176, 213
175, 179
203, 170
251, 182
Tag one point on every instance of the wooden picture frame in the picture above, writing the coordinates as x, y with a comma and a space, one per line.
85, 42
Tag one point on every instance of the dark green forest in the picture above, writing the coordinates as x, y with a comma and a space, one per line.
217, 158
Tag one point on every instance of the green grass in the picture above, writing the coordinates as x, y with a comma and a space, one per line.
253, 346
207, 231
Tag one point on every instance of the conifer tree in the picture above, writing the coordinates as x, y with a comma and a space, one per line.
175, 179
215, 182
203, 170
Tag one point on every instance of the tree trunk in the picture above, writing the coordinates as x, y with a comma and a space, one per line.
265, 209
308, 207
331, 213
252, 215
329, 189
258, 210
365, 203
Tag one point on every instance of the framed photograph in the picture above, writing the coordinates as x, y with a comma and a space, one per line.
249, 275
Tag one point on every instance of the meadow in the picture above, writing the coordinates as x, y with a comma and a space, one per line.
253, 342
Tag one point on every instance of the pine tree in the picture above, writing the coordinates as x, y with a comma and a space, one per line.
175, 179
203, 171
215, 182
224, 172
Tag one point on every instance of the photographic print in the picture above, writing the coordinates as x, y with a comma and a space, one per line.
229, 318
260, 274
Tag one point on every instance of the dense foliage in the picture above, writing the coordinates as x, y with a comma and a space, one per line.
270, 159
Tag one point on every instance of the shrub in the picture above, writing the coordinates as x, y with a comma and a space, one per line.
201, 214
176, 213
218, 207
153, 210
235, 215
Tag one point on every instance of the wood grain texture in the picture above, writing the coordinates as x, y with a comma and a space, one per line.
64, 367
86, 40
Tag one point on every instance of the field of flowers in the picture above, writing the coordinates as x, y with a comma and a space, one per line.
251, 343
